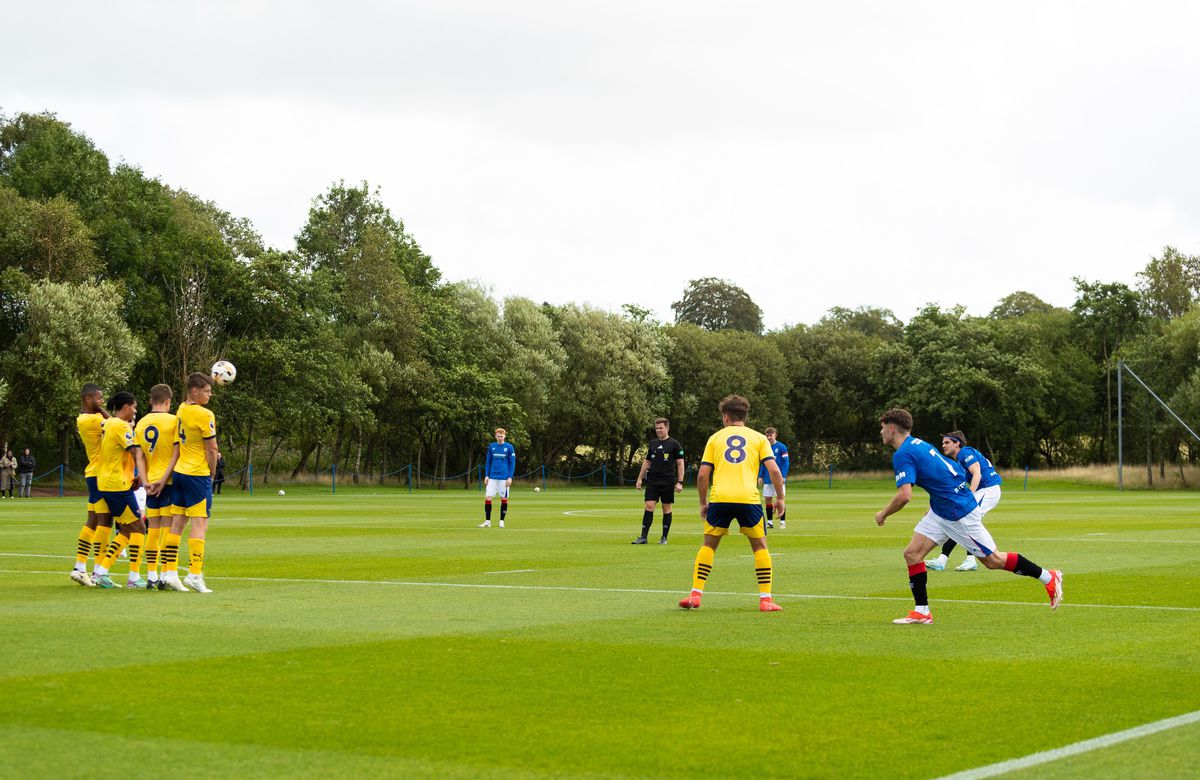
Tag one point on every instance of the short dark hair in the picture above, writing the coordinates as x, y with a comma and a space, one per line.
197, 380
901, 418
120, 400
771, 430
736, 407
160, 393
958, 436
89, 390
662, 420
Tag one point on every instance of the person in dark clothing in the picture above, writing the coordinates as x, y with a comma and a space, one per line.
219, 477
26, 463
662, 472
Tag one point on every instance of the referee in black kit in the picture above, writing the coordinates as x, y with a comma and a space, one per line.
663, 474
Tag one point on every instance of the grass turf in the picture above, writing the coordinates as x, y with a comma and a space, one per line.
381, 634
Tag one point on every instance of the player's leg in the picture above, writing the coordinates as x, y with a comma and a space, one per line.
982, 546
503, 493
667, 497
198, 515
83, 548
168, 556
783, 514
647, 514
122, 507
926, 536
769, 504
489, 491
751, 522
716, 525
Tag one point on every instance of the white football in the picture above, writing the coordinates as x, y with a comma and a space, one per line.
223, 372
281, 493
537, 490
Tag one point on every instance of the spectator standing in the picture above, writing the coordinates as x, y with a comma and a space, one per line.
25, 466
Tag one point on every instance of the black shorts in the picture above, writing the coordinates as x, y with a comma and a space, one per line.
662, 492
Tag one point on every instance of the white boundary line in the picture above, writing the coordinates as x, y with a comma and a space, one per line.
582, 589
1086, 746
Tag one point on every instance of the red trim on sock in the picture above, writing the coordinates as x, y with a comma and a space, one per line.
1010, 563
487, 502
916, 568
504, 502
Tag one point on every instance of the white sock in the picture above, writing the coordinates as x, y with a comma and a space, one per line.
698, 592
766, 595
99, 571
924, 610
81, 567
941, 559
1046, 576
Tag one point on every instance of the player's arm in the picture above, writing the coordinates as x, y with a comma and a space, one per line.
487, 464
703, 478
976, 475
642, 472
679, 473
162, 481
210, 454
139, 460
512, 466
776, 477
898, 502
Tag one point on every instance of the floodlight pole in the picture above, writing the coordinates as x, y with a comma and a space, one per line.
1120, 432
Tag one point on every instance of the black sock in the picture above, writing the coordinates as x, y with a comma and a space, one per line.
503, 510
666, 524
487, 510
783, 516
916, 582
1027, 568
647, 521
948, 547
770, 512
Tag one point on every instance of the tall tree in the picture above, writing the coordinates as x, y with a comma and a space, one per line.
717, 304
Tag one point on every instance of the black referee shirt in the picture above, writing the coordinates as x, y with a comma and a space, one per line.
662, 454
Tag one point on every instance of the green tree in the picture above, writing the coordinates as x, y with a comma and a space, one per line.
1019, 304
1169, 284
717, 304
1106, 314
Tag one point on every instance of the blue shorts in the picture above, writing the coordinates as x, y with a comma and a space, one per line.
122, 505
191, 496
95, 501
748, 516
161, 505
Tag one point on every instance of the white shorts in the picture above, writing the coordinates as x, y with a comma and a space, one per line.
968, 532
987, 497
140, 495
769, 490
496, 487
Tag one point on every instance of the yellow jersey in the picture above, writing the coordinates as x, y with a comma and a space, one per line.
90, 427
196, 426
156, 434
114, 474
735, 453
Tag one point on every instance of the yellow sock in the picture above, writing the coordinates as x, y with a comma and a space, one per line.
100, 541
703, 567
168, 560
195, 556
153, 541
84, 546
762, 569
137, 543
114, 549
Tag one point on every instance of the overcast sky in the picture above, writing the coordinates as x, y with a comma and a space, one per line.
818, 154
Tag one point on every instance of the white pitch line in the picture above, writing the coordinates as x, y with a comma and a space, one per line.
510, 571
581, 589
1086, 746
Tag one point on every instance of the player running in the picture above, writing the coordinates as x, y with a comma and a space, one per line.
115, 477
953, 514
780, 450
662, 471
158, 435
985, 485
93, 537
499, 468
731, 461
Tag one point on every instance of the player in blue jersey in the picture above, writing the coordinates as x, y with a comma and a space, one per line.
499, 468
985, 484
780, 451
953, 514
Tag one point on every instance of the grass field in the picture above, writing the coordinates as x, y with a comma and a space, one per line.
381, 634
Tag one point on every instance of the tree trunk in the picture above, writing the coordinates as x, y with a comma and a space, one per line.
303, 459
249, 443
358, 456
271, 459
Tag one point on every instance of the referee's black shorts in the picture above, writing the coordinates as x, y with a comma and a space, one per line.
662, 492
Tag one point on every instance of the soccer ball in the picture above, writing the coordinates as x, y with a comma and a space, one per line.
281, 493
537, 490
223, 372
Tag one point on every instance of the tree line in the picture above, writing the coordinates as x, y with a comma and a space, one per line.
352, 349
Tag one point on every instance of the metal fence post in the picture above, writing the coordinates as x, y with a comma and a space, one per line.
334, 481
250, 477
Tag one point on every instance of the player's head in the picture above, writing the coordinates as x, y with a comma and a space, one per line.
500, 434
123, 405
771, 433
953, 442
199, 388
734, 409
91, 398
160, 395
894, 426
662, 427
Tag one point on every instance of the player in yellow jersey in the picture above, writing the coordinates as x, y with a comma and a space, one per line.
730, 463
115, 477
93, 537
191, 486
158, 435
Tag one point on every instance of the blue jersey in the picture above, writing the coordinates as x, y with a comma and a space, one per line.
781, 460
987, 472
919, 463
501, 461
